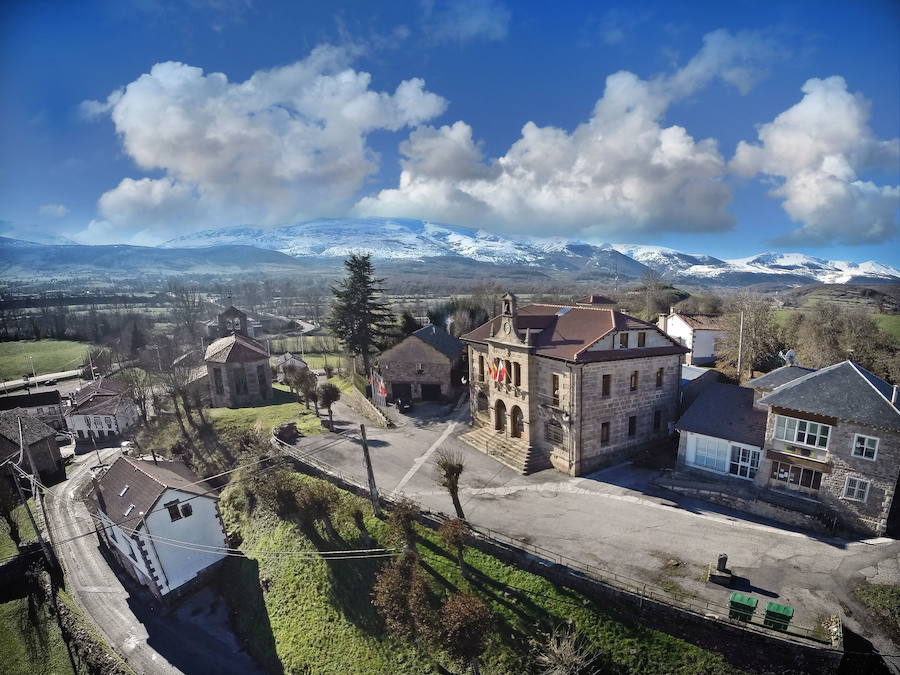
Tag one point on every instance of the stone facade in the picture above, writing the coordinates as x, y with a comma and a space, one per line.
556, 412
413, 364
235, 385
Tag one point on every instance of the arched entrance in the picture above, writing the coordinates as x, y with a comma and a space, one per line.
517, 423
481, 402
500, 416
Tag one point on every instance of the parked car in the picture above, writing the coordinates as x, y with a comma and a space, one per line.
404, 405
63, 437
48, 383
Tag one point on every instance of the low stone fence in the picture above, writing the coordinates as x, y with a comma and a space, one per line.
748, 646
353, 398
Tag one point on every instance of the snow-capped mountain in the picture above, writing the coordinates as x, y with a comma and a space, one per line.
403, 238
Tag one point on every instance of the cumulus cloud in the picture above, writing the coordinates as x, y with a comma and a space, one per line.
53, 211
465, 20
819, 148
619, 172
286, 143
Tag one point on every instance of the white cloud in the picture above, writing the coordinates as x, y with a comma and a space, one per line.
465, 20
619, 172
286, 143
820, 147
53, 210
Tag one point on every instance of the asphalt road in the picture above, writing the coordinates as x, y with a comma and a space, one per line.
152, 639
616, 519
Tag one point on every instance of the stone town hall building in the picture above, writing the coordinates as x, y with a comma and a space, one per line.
584, 386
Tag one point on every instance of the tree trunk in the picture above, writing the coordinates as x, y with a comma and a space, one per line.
461, 561
475, 670
13, 528
186, 404
203, 421
330, 420
454, 495
184, 431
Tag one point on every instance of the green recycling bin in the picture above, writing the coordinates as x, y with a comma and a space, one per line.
741, 607
778, 616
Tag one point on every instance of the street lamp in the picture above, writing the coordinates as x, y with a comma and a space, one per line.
31, 358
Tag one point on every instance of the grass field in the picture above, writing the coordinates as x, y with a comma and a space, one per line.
26, 532
883, 602
30, 640
50, 356
298, 614
889, 323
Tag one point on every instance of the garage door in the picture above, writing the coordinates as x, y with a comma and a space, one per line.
401, 390
431, 392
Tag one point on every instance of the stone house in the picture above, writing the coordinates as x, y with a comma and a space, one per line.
421, 367
288, 360
814, 448
576, 387
237, 366
143, 506
101, 409
697, 332
232, 320
39, 438
46, 406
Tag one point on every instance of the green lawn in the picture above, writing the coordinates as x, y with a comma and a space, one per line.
30, 640
883, 602
219, 450
309, 615
26, 532
50, 356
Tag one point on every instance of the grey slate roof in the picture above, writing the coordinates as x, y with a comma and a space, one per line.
38, 398
33, 430
145, 482
844, 391
726, 411
441, 340
778, 377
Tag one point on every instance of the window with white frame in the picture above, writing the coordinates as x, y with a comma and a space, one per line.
864, 446
711, 454
801, 431
744, 462
856, 489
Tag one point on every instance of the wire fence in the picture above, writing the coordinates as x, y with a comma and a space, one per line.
641, 590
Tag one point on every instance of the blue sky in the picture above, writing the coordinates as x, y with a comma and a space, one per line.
724, 128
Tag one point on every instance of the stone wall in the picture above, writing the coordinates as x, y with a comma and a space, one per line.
398, 365
229, 398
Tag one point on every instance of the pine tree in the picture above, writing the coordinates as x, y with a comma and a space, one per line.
358, 318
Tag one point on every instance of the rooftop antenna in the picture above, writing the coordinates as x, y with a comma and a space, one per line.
789, 357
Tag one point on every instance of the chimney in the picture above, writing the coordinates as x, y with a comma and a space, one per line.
671, 309
894, 396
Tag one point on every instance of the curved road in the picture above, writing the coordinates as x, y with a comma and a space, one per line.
150, 638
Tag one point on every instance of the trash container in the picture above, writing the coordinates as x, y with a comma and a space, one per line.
778, 616
741, 607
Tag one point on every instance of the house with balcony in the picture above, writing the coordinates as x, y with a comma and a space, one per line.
576, 387
813, 448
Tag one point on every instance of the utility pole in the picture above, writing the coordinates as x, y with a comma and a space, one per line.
373, 489
740, 346
37, 531
33, 373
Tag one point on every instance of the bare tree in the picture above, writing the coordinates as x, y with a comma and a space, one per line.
751, 341
566, 652
404, 601
455, 534
327, 395
402, 522
140, 388
450, 466
465, 624
187, 307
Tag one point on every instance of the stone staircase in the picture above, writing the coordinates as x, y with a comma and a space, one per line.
513, 453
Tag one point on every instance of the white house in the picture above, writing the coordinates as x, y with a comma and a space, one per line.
101, 409
288, 360
697, 332
161, 523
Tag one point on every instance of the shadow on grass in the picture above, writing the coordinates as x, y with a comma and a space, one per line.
352, 582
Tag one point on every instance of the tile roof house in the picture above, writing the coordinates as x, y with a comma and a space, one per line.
697, 332
422, 366
288, 360
237, 365
39, 438
830, 447
101, 409
572, 386
161, 522
46, 406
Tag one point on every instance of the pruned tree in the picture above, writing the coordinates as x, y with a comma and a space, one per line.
564, 651
140, 388
187, 307
465, 624
327, 395
317, 502
359, 319
455, 535
402, 523
450, 466
404, 601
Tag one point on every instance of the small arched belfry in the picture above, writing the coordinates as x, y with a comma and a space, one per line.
237, 366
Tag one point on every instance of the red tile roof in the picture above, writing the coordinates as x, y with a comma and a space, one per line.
566, 332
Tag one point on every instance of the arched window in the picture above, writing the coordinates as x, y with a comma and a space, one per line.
517, 423
480, 368
508, 378
553, 433
500, 416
